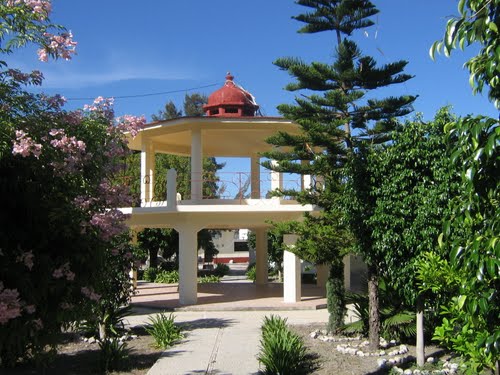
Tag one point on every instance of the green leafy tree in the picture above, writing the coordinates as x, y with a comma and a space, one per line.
341, 119
471, 323
479, 22
170, 111
414, 184
64, 253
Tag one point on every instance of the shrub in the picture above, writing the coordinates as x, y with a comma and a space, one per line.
150, 274
167, 277
281, 350
209, 279
163, 330
251, 272
221, 269
113, 354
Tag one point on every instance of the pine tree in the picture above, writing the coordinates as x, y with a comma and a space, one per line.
340, 120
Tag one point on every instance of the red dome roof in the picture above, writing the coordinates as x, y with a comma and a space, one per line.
231, 100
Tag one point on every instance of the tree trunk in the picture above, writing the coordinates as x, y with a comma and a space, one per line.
153, 258
374, 316
335, 294
420, 332
102, 331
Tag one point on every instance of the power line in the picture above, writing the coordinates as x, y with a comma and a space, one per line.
150, 94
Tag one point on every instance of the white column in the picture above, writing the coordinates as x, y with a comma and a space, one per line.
261, 267
276, 178
292, 273
306, 180
171, 188
196, 165
147, 171
255, 177
322, 271
188, 243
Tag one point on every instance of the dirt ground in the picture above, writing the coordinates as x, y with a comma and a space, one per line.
76, 357
330, 361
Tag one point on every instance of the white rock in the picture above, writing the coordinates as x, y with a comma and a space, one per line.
381, 362
430, 360
392, 342
393, 352
91, 340
382, 352
133, 337
403, 349
398, 359
314, 334
417, 372
399, 370
365, 343
360, 353
407, 372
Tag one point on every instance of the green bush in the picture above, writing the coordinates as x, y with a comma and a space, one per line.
281, 350
209, 279
221, 269
251, 273
163, 330
113, 354
167, 277
150, 274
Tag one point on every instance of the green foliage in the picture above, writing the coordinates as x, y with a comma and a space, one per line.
209, 279
222, 269
281, 350
335, 294
398, 322
414, 183
167, 277
164, 330
251, 272
479, 22
340, 121
471, 244
113, 354
150, 274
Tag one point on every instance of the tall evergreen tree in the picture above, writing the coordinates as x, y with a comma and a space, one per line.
340, 119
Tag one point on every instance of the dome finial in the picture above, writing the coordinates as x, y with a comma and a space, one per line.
229, 76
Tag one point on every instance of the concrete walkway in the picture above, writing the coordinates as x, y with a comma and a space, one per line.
220, 342
222, 331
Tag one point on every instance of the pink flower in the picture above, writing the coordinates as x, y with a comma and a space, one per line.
58, 273
114, 252
10, 305
90, 294
58, 46
30, 309
70, 276
128, 255
27, 259
24, 145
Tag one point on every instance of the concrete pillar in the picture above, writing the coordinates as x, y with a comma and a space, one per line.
291, 272
171, 188
306, 180
133, 271
322, 271
188, 268
255, 177
276, 178
196, 165
147, 172
261, 267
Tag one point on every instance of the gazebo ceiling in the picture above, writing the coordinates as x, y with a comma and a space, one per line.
221, 136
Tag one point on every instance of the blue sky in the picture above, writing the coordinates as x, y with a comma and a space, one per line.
134, 48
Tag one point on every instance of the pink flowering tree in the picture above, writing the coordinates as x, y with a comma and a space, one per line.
65, 253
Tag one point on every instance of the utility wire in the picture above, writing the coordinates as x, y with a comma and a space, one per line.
151, 94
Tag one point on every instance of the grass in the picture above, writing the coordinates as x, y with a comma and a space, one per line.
163, 329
